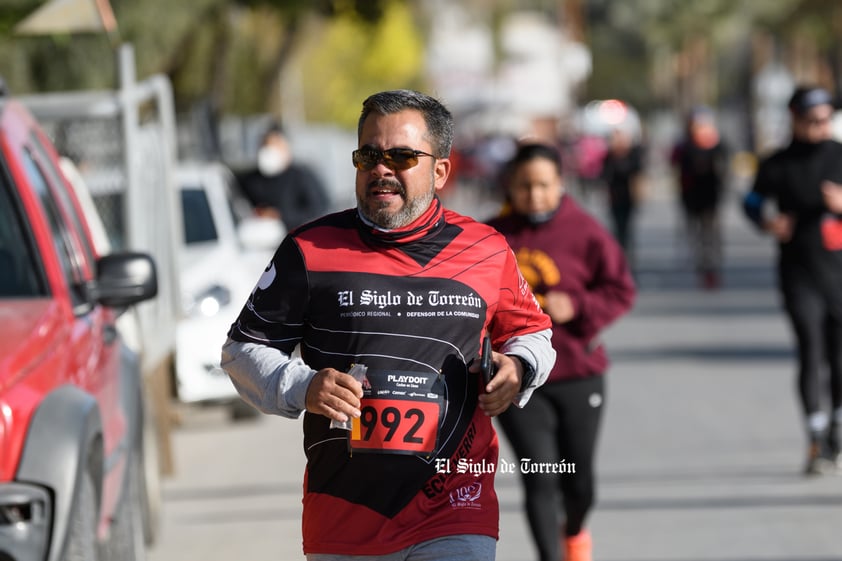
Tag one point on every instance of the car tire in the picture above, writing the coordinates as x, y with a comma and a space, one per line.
81, 532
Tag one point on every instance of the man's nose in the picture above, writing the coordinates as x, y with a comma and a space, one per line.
381, 169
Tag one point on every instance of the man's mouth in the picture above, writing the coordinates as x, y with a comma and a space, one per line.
385, 189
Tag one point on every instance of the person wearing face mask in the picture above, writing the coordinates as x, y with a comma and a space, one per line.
581, 278
281, 187
388, 304
803, 182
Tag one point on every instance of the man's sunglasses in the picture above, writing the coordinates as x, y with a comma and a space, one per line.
397, 159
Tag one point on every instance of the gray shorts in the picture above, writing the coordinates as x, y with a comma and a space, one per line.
467, 547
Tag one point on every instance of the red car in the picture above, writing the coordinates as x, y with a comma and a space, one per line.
70, 390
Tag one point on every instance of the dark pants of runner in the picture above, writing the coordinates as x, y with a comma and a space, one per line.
622, 216
560, 423
816, 316
703, 235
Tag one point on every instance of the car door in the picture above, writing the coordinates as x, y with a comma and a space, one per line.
95, 349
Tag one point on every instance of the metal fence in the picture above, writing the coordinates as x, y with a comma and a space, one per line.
123, 143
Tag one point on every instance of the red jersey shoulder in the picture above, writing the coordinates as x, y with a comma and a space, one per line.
474, 231
332, 243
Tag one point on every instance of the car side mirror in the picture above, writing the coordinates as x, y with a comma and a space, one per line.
125, 278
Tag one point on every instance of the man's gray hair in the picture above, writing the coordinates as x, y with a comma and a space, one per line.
438, 119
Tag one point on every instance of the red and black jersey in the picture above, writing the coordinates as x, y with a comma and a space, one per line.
412, 308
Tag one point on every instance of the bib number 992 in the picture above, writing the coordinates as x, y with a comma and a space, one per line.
395, 426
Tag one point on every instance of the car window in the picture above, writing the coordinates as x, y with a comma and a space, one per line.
69, 256
63, 195
197, 217
20, 273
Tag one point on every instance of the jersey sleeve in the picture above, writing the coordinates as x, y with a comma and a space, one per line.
520, 327
518, 312
258, 353
274, 312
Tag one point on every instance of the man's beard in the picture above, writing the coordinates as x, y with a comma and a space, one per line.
388, 220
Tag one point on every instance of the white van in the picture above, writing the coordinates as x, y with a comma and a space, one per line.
226, 248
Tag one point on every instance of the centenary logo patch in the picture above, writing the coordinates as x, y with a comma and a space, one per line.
467, 496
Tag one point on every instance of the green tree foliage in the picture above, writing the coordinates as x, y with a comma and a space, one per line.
353, 57
14, 11
625, 37
250, 56
231, 54
235, 57
30, 63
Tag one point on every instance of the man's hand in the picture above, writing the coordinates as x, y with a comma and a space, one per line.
832, 193
503, 387
334, 394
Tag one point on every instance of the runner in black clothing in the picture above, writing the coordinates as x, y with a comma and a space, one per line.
804, 181
622, 172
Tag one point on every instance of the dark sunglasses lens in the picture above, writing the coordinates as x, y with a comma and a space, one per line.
364, 160
400, 158
397, 159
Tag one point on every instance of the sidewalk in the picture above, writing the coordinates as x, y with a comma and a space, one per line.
702, 449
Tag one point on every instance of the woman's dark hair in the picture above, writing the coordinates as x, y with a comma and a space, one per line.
533, 151
526, 153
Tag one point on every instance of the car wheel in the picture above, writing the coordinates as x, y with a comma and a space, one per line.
81, 536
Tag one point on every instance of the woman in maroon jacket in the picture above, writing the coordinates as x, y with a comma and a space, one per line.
581, 278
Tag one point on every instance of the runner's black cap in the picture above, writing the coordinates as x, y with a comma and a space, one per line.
807, 97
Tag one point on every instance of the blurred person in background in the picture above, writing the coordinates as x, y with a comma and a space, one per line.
281, 187
589, 152
701, 161
622, 172
406, 288
803, 182
582, 280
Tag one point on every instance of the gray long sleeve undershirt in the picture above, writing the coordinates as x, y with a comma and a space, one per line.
276, 382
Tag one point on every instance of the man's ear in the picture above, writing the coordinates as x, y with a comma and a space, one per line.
441, 172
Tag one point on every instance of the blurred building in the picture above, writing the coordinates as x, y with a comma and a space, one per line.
517, 78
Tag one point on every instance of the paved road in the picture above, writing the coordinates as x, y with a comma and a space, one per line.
699, 460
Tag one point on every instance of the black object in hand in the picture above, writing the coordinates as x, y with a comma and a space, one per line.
486, 360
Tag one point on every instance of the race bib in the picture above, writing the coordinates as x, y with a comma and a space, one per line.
400, 413
832, 233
